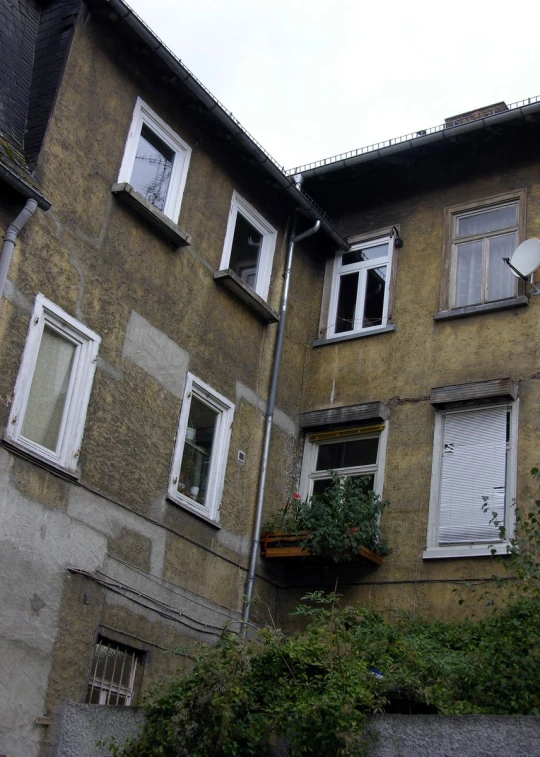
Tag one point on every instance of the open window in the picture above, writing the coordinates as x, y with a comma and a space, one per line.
53, 385
156, 161
249, 246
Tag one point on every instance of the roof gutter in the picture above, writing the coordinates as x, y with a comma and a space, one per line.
411, 144
22, 187
301, 200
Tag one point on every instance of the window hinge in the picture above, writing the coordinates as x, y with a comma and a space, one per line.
175, 480
36, 320
14, 420
76, 454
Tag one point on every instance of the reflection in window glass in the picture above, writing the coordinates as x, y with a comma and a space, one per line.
348, 293
245, 251
152, 168
197, 454
374, 300
49, 389
368, 253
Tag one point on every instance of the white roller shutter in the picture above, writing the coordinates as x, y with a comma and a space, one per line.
473, 467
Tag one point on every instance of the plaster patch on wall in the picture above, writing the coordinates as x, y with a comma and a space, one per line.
110, 519
235, 542
284, 422
12, 294
155, 353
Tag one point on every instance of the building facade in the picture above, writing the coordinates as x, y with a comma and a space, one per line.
138, 327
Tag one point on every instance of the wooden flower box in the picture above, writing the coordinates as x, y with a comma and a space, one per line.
287, 545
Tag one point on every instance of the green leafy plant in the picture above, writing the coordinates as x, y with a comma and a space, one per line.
340, 520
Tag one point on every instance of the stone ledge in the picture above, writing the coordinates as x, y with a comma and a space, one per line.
240, 289
488, 307
356, 335
158, 220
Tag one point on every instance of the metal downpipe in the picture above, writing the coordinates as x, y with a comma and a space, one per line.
11, 237
250, 581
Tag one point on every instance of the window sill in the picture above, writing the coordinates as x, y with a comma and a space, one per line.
356, 335
240, 289
140, 205
465, 550
489, 307
185, 504
40, 460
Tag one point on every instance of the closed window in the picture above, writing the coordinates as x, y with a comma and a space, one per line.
156, 161
478, 238
249, 246
352, 453
474, 463
112, 674
202, 445
360, 290
53, 386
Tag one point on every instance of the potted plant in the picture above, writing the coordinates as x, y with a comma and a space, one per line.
340, 525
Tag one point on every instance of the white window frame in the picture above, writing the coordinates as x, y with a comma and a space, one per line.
107, 688
311, 450
484, 237
220, 448
339, 270
478, 549
144, 115
71, 430
239, 206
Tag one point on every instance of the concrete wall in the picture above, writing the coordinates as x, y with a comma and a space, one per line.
79, 727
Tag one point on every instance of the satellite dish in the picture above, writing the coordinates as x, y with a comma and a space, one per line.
526, 259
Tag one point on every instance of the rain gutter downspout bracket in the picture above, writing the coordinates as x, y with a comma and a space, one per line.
250, 581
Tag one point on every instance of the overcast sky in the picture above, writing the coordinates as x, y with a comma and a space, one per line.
312, 78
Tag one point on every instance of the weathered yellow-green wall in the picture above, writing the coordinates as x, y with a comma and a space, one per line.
401, 367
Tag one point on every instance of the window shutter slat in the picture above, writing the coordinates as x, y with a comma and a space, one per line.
473, 467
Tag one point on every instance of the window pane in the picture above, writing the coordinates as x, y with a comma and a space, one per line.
245, 251
469, 274
368, 253
321, 485
501, 283
348, 293
48, 392
374, 300
152, 168
197, 454
347, 454
489, 220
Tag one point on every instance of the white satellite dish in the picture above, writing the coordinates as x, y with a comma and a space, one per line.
526, 259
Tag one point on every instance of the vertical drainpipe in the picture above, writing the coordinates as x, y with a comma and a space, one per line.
11, 237
293, 238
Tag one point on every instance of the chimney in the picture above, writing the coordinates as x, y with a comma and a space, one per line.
474, 115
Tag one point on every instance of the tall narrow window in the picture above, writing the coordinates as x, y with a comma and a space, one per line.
474, 463
202, 445
249, 246
53, 386
360, 288
156, 161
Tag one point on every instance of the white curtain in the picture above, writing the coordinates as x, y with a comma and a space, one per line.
50, 384
469, 274
473, 467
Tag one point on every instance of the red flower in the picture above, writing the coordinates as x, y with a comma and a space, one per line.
296, 495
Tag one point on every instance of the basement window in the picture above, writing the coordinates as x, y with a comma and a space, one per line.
156, 161
112, 675
53, 386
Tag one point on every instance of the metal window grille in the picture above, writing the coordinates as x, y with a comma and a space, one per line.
113, 674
